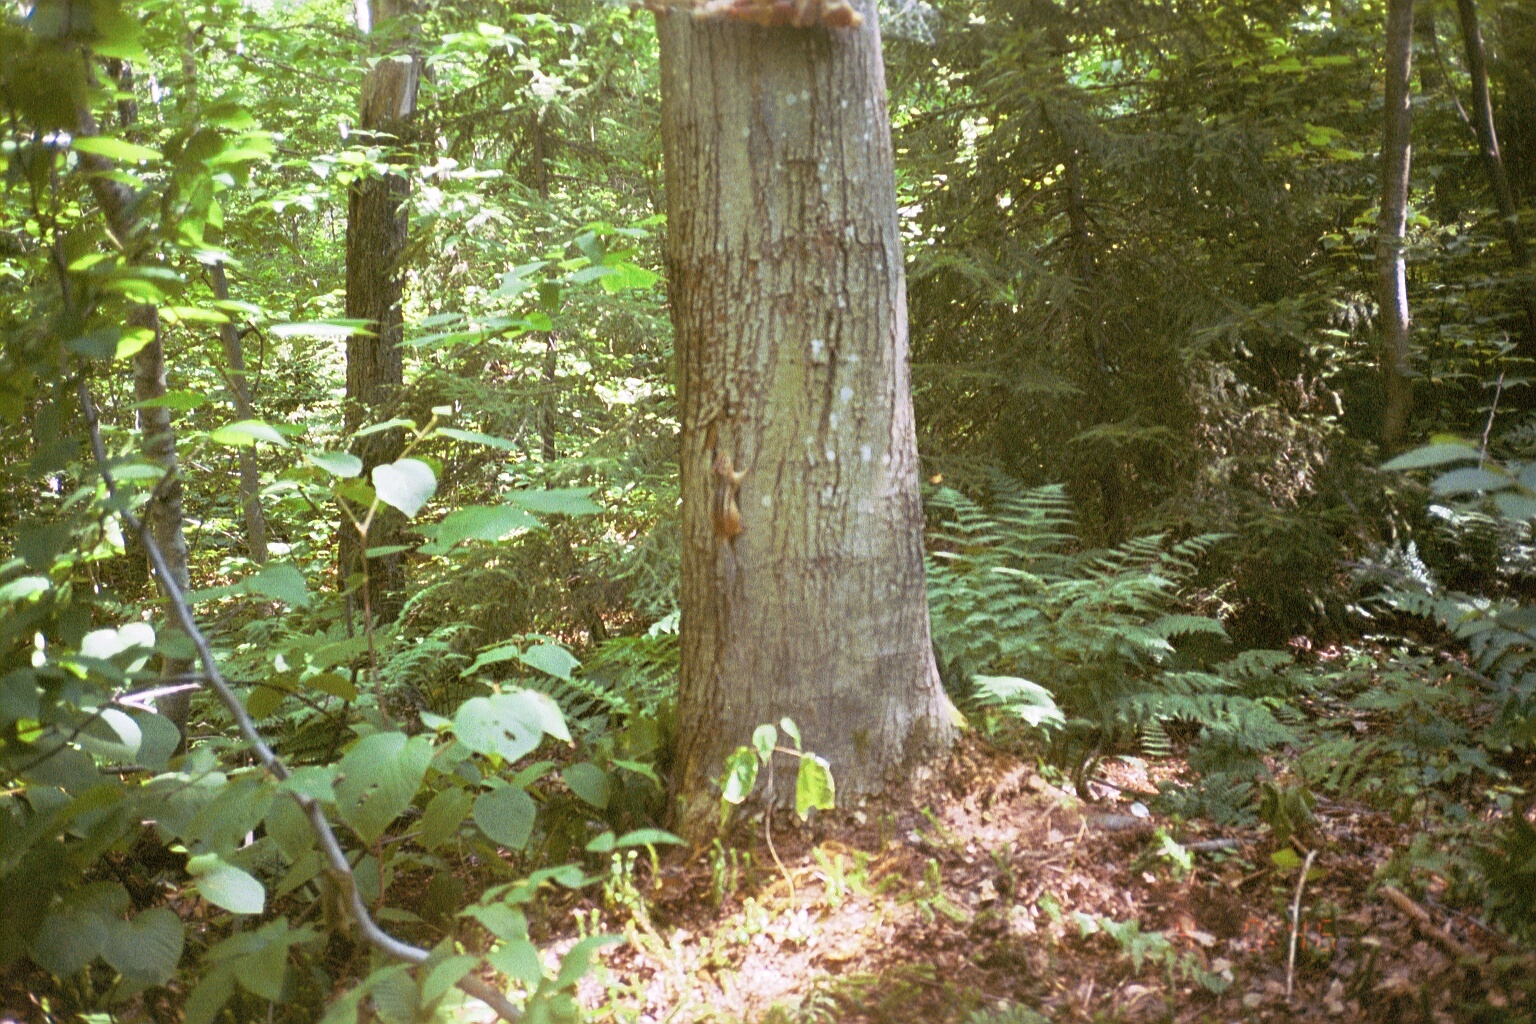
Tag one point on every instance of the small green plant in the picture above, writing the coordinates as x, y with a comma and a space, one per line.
1152, 947
728, 868
930, 898
814, 788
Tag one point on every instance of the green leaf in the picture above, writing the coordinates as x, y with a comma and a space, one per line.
76, 933
1285, 858
406, 484
509, 725
377, 428
227, 886
181, 401
245, 433
444, 976
342, 464
764, 739
444, 814
518, 959
324, 330
740, 775
813, 786
570, 501
213, 991
495, 656
115, 149
281, 581
604, 843
551, 659
576, 963
377, 780
504, 922
473, 437
650, 837
356, 492
25, 588
263, 971
147, 948
791, 730
1515, 507
589, 782
477, 522
1464, 481
506, 816
627, 276
1433, 455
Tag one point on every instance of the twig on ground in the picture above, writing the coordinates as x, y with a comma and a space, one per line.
1290, 959
336, 858
1426, 924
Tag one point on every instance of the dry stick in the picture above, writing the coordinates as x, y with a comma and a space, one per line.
1482, 453
339, 867
1290, 960
1426, 924
768, 833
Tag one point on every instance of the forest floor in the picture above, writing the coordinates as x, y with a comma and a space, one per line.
989, 895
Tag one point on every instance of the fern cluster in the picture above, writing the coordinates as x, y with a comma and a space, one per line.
1013, 594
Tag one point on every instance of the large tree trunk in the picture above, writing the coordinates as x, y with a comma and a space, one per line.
789, 303
376, 236
1493, 159
1396, 158
240, 389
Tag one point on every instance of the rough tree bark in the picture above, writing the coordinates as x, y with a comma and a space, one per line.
376, 237
789, 304
1396, 159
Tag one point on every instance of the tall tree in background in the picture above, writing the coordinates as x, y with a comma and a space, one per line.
1493, 158
376, 236
803, 590
238, 381
1396, 159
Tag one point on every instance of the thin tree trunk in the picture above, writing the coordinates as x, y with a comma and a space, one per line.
548, 412
1396, 159
376, 237
803, 592
1493, 159
164, 512
119, 204
240, 389
548, 415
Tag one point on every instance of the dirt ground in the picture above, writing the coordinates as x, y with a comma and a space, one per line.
990, 893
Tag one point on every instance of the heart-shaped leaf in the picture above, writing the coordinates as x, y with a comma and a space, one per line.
147, 948
227, 886
589, 782
506, 816
342, 464
378, 779
406, 484
813, 786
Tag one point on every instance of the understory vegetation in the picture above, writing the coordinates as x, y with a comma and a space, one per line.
1221, 653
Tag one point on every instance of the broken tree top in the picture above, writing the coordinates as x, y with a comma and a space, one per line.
768, 13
